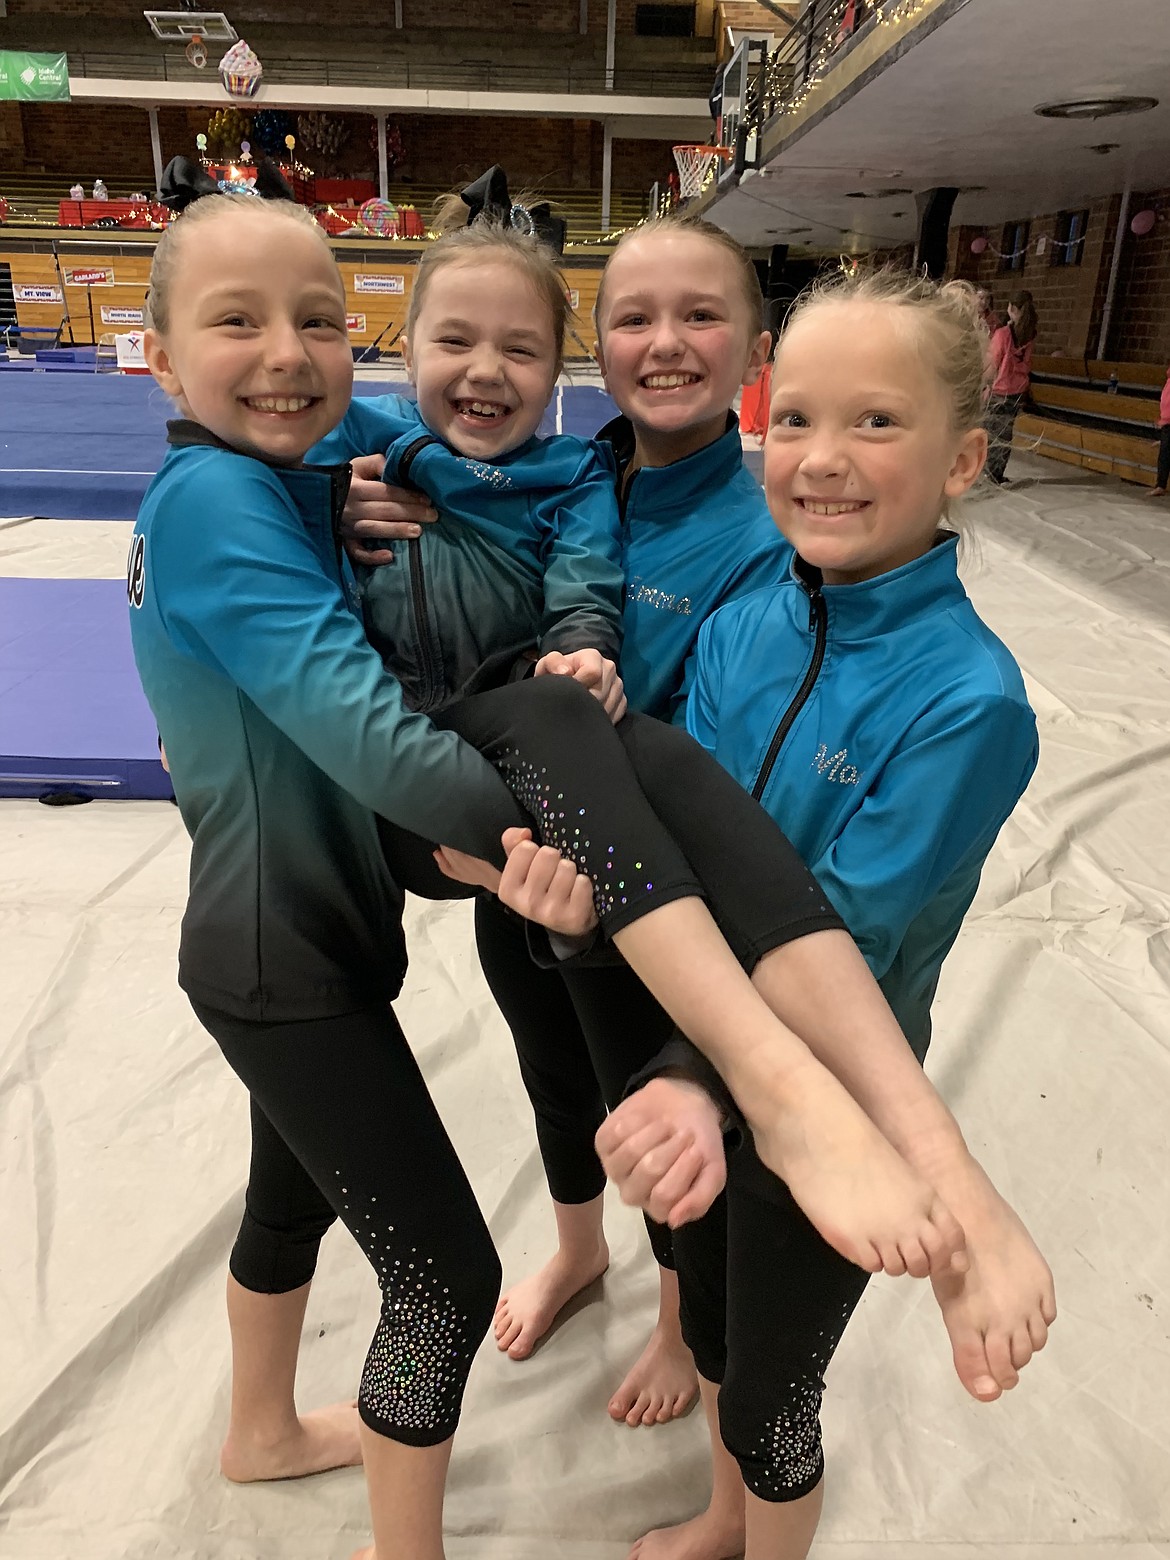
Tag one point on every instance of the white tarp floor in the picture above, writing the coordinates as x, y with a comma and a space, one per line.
124, 1145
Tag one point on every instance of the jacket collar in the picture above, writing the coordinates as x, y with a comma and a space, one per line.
185, 433
893, 601
656, 491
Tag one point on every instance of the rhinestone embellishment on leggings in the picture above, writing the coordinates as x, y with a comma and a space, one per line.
417, 1364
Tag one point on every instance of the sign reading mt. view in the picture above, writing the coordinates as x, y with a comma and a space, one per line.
34, 78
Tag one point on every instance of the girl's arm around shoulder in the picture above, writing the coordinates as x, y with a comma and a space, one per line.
936, 806
369, 427
583, 576
241, 589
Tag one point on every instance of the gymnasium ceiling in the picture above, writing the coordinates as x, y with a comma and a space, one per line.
956, 109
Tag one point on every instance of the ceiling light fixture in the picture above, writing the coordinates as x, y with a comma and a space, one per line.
1095, 107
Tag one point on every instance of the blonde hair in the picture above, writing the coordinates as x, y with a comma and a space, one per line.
675, 222
200, 212
945, 317
484, 240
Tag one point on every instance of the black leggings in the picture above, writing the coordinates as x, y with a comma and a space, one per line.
1163, 478
644, 811
343, 1128
1002, 411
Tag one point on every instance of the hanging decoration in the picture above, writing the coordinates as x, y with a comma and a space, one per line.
240, 70
1143, 222
325, 134
395, 151
269, 128
226, 128
978, 245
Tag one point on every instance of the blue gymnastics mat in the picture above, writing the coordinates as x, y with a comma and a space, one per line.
85, 446
72, 714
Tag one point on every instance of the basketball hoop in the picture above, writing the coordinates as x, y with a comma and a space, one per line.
694, 165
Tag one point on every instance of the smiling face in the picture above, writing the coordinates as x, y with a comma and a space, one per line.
861, 453
255, 345
676, 340
482, 355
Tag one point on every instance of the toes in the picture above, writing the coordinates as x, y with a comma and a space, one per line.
892, 1261
619, 1406
641, 1403
1037, 1331
507, 1337
654, 1408
914, 1258
999, 1358
1021, 1348
522, 1347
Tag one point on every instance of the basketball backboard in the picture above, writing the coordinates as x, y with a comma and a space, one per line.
182, 26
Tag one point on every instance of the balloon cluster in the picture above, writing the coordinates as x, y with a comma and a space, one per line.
226, 128
269, 128
324, 133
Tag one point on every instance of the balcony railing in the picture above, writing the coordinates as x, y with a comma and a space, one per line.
469, 76
822, 30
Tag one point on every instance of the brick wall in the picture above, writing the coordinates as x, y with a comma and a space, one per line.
81, 140
1140, 329
1069, 298
524, 16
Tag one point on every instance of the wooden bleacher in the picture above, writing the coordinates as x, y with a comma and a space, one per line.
1071, 416
34, 201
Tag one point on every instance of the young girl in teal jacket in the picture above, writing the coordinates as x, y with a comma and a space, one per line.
865, 702
285, 735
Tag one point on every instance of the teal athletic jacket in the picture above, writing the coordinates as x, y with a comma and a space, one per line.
886, 730
525, 555
284, 735
695, 534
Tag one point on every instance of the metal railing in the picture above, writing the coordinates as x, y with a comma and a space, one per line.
469, 76
822, 30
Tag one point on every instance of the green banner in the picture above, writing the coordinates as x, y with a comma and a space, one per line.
34, 78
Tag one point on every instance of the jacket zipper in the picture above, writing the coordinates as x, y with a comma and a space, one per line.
818, 620
418, 587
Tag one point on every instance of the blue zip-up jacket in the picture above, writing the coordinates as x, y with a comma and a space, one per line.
887, 731
525, 554
284, 735
695, 534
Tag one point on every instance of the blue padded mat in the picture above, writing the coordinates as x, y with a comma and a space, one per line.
84, 446
72, 714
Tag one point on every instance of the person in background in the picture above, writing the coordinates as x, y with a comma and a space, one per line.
990, 317
1162, 481
1011, 362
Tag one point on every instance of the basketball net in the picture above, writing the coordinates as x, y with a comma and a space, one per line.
694, 164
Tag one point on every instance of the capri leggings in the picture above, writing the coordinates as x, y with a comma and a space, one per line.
343, 1128
342, 1125
764, 1302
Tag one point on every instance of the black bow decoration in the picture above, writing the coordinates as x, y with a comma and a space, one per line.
184, 181
488, 197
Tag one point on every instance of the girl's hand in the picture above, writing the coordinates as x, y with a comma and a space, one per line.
541, 885
462, 868
663, 1149
593, 671
375, 513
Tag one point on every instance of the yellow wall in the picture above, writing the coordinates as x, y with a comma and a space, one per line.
132, 271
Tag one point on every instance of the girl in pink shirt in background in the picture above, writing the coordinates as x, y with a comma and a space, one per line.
1011, 360
1162, 481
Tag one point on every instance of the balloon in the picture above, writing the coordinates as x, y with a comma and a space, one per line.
978, 245
201, 142
245, 147
290, 141
1143, 223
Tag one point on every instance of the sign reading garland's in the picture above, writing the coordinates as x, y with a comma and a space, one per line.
34, 78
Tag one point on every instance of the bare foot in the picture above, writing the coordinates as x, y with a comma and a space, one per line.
1156, 492
858, 1191
998, 1313
324, 1439
661, 1384
527, 1310
705, 1537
